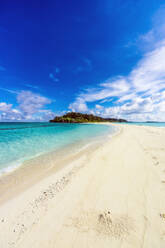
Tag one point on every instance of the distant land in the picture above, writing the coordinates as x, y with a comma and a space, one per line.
74, 117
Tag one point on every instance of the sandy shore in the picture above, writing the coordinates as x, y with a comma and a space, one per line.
112, 197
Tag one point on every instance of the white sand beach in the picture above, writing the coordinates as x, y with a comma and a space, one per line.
112, 197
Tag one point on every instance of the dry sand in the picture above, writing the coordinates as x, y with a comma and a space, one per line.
112, 197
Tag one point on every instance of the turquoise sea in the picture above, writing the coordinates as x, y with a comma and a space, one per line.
22, 141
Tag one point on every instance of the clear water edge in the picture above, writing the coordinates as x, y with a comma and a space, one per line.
150, 124
90, 133
81, 142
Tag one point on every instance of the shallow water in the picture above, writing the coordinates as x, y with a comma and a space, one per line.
151, 124
22, 141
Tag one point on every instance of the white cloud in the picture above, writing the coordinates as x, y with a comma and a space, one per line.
30, 103
78, 106
99, 107
152, 39
30, 106
139, 95
5, 107
7, 112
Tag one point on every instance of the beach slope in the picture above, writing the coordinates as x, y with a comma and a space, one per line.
111, 197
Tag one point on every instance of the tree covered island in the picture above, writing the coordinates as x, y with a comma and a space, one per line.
74, 117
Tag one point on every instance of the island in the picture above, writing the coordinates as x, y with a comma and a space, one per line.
75, 117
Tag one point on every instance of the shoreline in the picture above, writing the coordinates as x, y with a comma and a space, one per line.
18, 164
34, 170
111, 197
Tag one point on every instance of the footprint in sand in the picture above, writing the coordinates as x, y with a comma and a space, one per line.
156, 162
103, 223
162, 216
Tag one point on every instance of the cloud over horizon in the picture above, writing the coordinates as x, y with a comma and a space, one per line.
138, 96
112, 65
31, 107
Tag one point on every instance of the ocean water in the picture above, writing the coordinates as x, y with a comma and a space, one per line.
22, 141
151, 124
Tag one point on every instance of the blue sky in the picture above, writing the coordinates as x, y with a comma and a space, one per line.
105, 57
